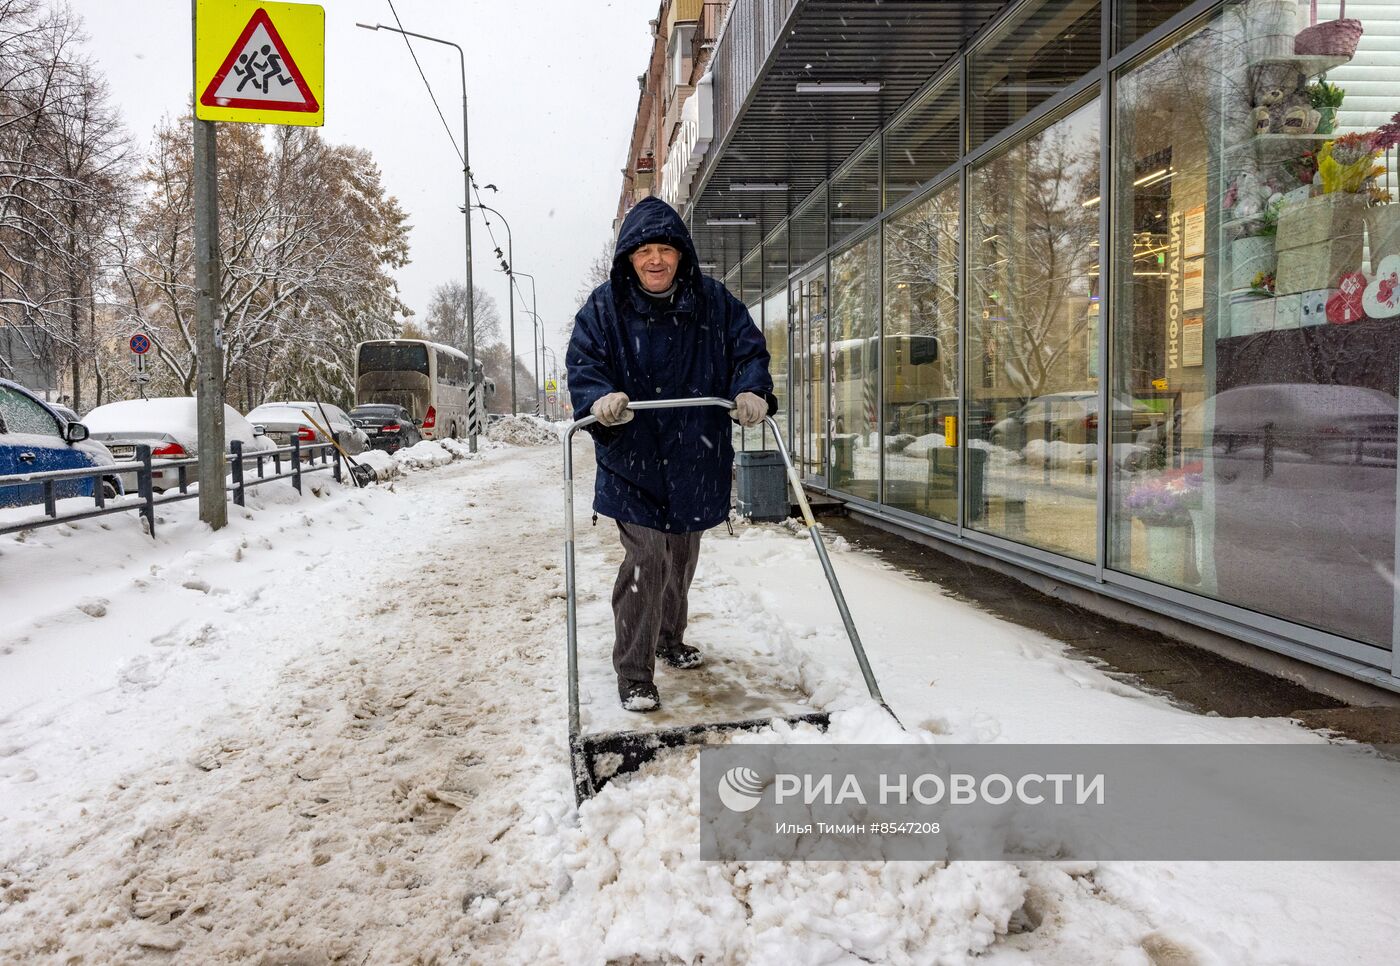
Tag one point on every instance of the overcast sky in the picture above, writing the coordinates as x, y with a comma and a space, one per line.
552, 91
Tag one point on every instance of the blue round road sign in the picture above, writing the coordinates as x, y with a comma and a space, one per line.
140, 344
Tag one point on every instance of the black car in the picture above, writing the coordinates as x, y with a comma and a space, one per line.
389, 427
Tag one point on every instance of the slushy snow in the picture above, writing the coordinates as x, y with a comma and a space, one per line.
335, 732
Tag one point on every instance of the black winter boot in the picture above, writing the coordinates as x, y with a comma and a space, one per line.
681, 656
640, 696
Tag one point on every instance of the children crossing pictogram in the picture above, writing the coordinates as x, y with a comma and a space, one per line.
259, 72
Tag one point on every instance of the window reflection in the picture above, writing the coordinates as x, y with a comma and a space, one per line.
1041, 49
1268, 476
925, 141
1136, 18
1033, 300
854, 361
775, 331
920, 346
855, 194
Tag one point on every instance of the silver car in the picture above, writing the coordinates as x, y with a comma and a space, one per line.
284, 420
170, 427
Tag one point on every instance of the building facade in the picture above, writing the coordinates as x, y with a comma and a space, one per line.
1105, 289
673, 127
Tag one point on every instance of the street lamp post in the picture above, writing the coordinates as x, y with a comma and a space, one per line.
510, 283
536, 362
539, 337
467, 218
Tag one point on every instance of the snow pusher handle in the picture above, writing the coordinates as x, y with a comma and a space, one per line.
794, 481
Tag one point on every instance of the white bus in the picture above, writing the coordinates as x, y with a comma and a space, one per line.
910, 376
431, 381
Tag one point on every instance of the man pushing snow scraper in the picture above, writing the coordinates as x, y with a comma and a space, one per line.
660, 329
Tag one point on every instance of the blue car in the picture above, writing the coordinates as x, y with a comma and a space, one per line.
35, 439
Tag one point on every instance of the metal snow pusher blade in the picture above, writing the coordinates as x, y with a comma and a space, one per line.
600, 757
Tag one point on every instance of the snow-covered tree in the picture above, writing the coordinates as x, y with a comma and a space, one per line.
62, 188
446, 319
308, 239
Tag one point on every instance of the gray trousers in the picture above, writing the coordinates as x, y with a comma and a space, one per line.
649, 599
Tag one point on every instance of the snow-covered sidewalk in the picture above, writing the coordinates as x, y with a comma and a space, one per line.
335, 731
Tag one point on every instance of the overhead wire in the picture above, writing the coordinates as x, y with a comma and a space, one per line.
433, 97
471, 178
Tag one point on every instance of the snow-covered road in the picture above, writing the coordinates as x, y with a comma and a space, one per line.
336, 732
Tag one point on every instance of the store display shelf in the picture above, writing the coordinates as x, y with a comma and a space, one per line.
1310, 64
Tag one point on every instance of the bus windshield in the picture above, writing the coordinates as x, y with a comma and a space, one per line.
391, 357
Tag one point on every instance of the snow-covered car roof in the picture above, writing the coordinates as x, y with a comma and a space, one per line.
175, 416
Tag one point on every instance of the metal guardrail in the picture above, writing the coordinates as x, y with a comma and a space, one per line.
300, 460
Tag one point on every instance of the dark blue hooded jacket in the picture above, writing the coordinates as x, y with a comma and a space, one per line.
668, 470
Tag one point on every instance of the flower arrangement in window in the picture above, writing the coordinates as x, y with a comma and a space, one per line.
1349, 164
1383, 220
1166, 499
1264, 284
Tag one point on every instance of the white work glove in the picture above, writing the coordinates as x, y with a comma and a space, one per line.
612, 410
749, 409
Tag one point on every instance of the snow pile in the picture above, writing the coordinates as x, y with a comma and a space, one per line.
184, 759
638, 890
459, 450
425, 455
921, 445
384, 465
524, 431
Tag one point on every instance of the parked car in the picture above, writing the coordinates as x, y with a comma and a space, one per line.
390, 427
1301, 479
35, 439
1070, 417
928, 416
283, 420
170, 427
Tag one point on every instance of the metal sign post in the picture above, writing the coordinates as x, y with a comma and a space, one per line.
209, 343
257, 63
140, 345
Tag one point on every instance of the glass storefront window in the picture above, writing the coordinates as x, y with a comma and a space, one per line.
775, 332
775, 256
1134, 19
1045, 46
731, 281
855, 369
775, 320
1033, 323
925, 140
751, 278
920, 346
1256, 349
808, 229
855, 193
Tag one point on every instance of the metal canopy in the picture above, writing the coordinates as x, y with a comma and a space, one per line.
800, 138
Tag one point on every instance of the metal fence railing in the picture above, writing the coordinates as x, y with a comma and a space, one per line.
299, 461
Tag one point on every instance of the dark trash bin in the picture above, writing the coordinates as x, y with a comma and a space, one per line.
976, 483
762, 484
